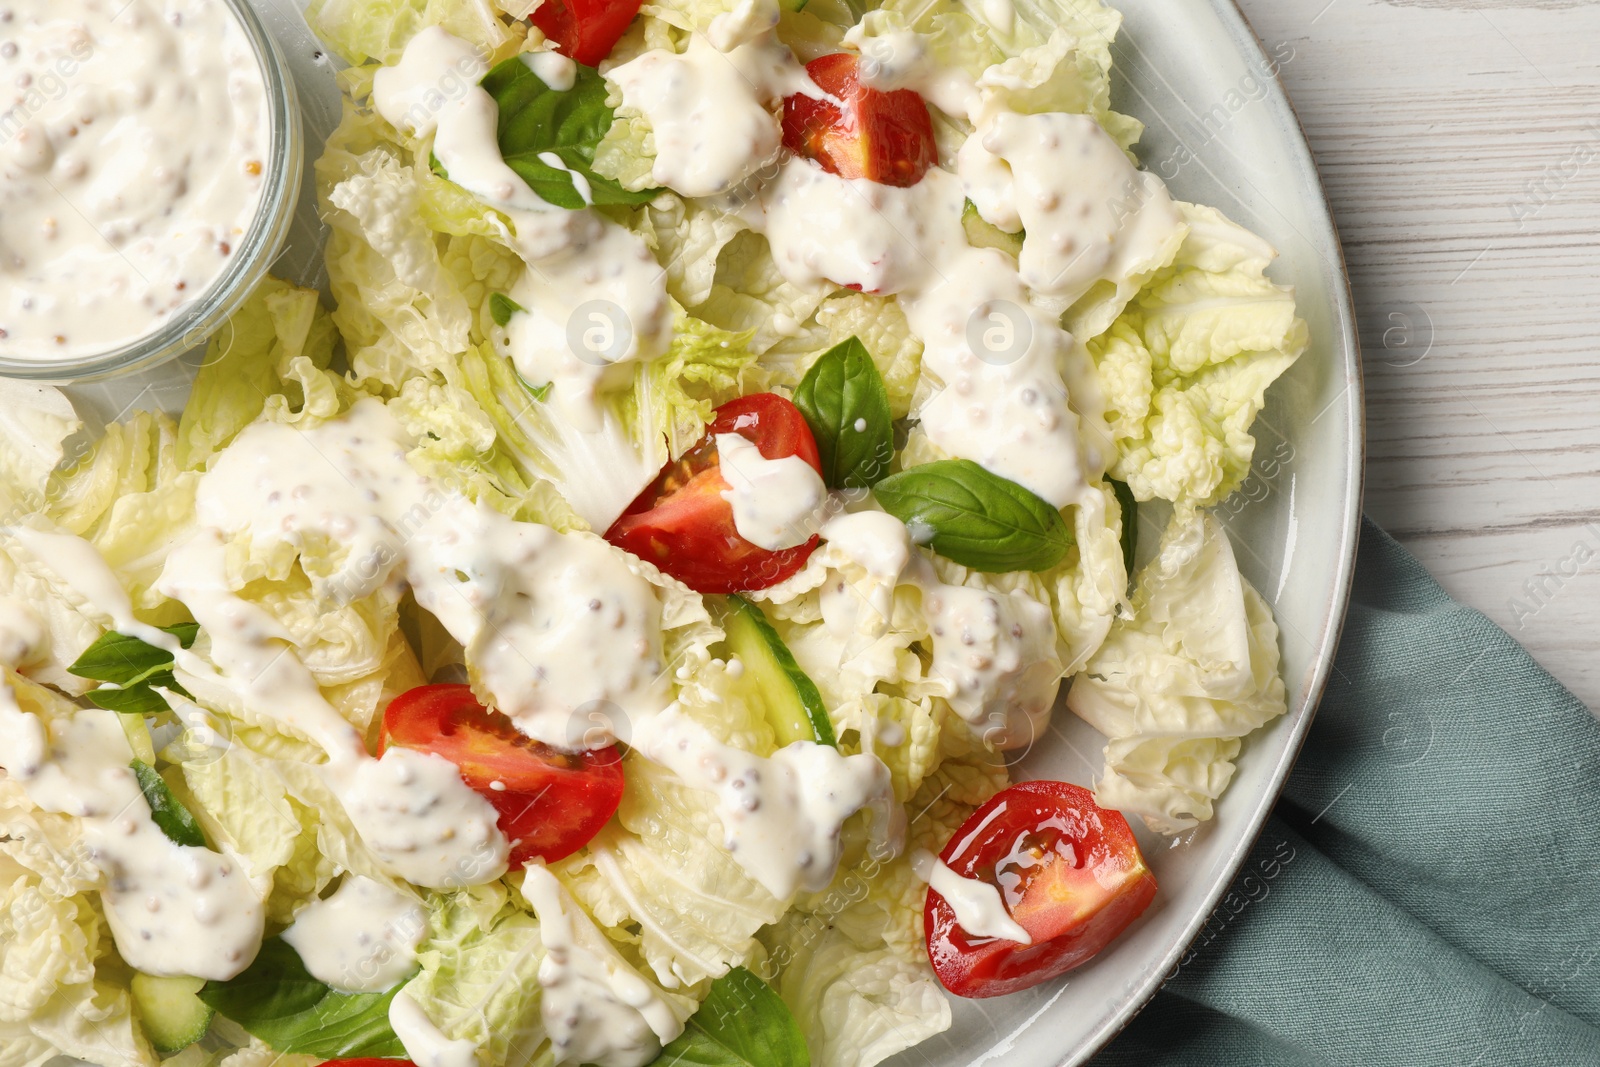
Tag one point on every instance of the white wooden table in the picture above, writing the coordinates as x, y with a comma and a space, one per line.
1459, 143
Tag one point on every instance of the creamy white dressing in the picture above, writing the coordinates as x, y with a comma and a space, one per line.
420, 820
433, 90
554, 69
1000, 359
826, 230
711, 108
597, 1009
173, 909
594, 298
978, 906
361, 939
1015, 386
552, 622
995, 654
134, 141
987, 181
867, 551
425, 1044
580, 183
776, 502
1001, 14
894, 57
438, 833
781, 815
1004, 404
23, 636
436, 67
594, 303
1087, 212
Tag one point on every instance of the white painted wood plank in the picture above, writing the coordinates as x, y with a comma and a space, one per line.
1459, 142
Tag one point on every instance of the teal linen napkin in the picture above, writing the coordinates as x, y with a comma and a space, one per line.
1428, 889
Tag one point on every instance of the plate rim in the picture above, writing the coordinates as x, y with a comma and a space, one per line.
1348, 349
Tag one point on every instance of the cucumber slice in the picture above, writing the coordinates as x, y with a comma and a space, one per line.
174, 1016
982, 233
772, 680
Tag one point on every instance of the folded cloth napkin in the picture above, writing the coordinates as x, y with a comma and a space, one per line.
1428, 889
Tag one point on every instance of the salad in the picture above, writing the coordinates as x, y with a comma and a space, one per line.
606, 631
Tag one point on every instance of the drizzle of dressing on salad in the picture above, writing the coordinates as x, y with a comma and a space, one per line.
551, 622
412, 96
554, 69
173, 909
421, 821
979, 909
781, 814
22, 633
1087, 212
775, 501
594, 302
594, 298
867, 551
362, 939
425, 1044
141, 132
1015, 384
999, 358
595, 1007
710, 107
996, 654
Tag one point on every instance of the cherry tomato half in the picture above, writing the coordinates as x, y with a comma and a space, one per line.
682, 524
884, 137
585, 30
1069, 872
550, 802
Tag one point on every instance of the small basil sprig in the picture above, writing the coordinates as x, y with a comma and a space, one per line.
978, 519
846, 405
135, 668
1130, 523
537, 122
277, 1000
742, 1023
166, 810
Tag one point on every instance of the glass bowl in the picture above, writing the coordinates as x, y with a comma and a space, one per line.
190, 326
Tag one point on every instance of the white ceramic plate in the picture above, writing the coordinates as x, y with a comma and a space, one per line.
1221, 132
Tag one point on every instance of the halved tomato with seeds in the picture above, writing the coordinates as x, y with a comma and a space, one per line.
886, 137
551, 803
1069, 872
682, 524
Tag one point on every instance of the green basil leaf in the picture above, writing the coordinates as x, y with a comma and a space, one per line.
1130, 523
502, 307
538, 121
978, 519
166, 810
277, 1000
742, 1023
140, 698
846, 405
126, 660
133, 669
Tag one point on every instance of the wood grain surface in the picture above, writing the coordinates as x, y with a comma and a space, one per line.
1459, 143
